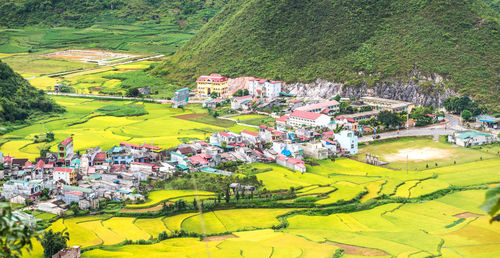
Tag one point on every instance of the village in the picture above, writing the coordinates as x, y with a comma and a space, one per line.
303, 130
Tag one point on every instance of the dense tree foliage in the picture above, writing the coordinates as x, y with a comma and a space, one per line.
15, 235
19, 100
53, 242
84, 13
459, 104
358, 42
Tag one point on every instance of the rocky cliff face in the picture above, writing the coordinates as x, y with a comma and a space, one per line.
422, 90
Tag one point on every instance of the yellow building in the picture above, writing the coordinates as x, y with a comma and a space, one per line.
207, 84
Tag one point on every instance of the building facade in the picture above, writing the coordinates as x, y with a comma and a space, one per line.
348, 141
181, 98
264, 88
304, 118
207, 84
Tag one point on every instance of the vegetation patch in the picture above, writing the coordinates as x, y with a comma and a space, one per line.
123, 110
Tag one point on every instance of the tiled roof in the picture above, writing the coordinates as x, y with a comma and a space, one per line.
249, 133
224, 134
244, 97
305, 115
151, 147
197, 159
100, 156
67, 141
61, 169
129, 145
75, 193
319, 105
283, 118
142, 163
213, 77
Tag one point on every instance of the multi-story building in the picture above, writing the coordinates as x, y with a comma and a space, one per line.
328, 107
26, 189
304, 118
314, 150
65, 149
240, 102
264, 88
207, 84
292, 163
181, 98
65, 174
388, 104
348, 141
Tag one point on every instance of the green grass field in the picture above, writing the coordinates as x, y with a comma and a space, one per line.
88, 129
444, 154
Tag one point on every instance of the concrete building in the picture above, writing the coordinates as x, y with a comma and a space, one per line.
292, 163
65, 174
314, 150
181, 98
348, 141
388, 104
65, 149
264, 88
327, 107
471, 138
207, 84
240, 102
26, 189
250, 137
304, 118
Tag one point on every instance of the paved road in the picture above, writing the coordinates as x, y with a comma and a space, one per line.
434, 131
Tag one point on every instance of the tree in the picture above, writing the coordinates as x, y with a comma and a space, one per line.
195, 203
337, 97
466, 115
53, 242
492, 203
245, 92
74, 207
133, 92
227, 195
389, 119
224, 145
214, 95
14, 234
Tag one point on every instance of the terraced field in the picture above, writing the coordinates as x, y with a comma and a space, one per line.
449, 226
90, 128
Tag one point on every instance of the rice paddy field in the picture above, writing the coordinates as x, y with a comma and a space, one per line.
156, 197
90, 128
448, 225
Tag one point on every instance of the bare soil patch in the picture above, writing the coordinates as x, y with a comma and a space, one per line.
218, 238
190, 116
467, 215
356, 250
418, 154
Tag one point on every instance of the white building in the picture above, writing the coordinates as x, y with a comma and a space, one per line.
471, 138
251, 137
314, 150
348, 141
264, 88
141, 167
67, 175
292, 163
327, 107
240, 102
304, 118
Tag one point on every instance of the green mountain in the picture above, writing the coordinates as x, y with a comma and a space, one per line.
357, 42
19, 100
84, 13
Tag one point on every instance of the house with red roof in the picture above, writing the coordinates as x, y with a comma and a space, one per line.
226, 136
206, 84
282, 121
250, 137
65, 149
264, 88
332, 106
293, 163
64, 174
304, 118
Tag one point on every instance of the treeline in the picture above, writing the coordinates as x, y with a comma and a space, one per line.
83, 13
19, 100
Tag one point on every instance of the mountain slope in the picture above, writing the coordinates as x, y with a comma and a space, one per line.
353, 41
84, 13
19, 100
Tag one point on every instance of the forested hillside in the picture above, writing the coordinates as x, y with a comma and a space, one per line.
84, 13
19, 100
352, 41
